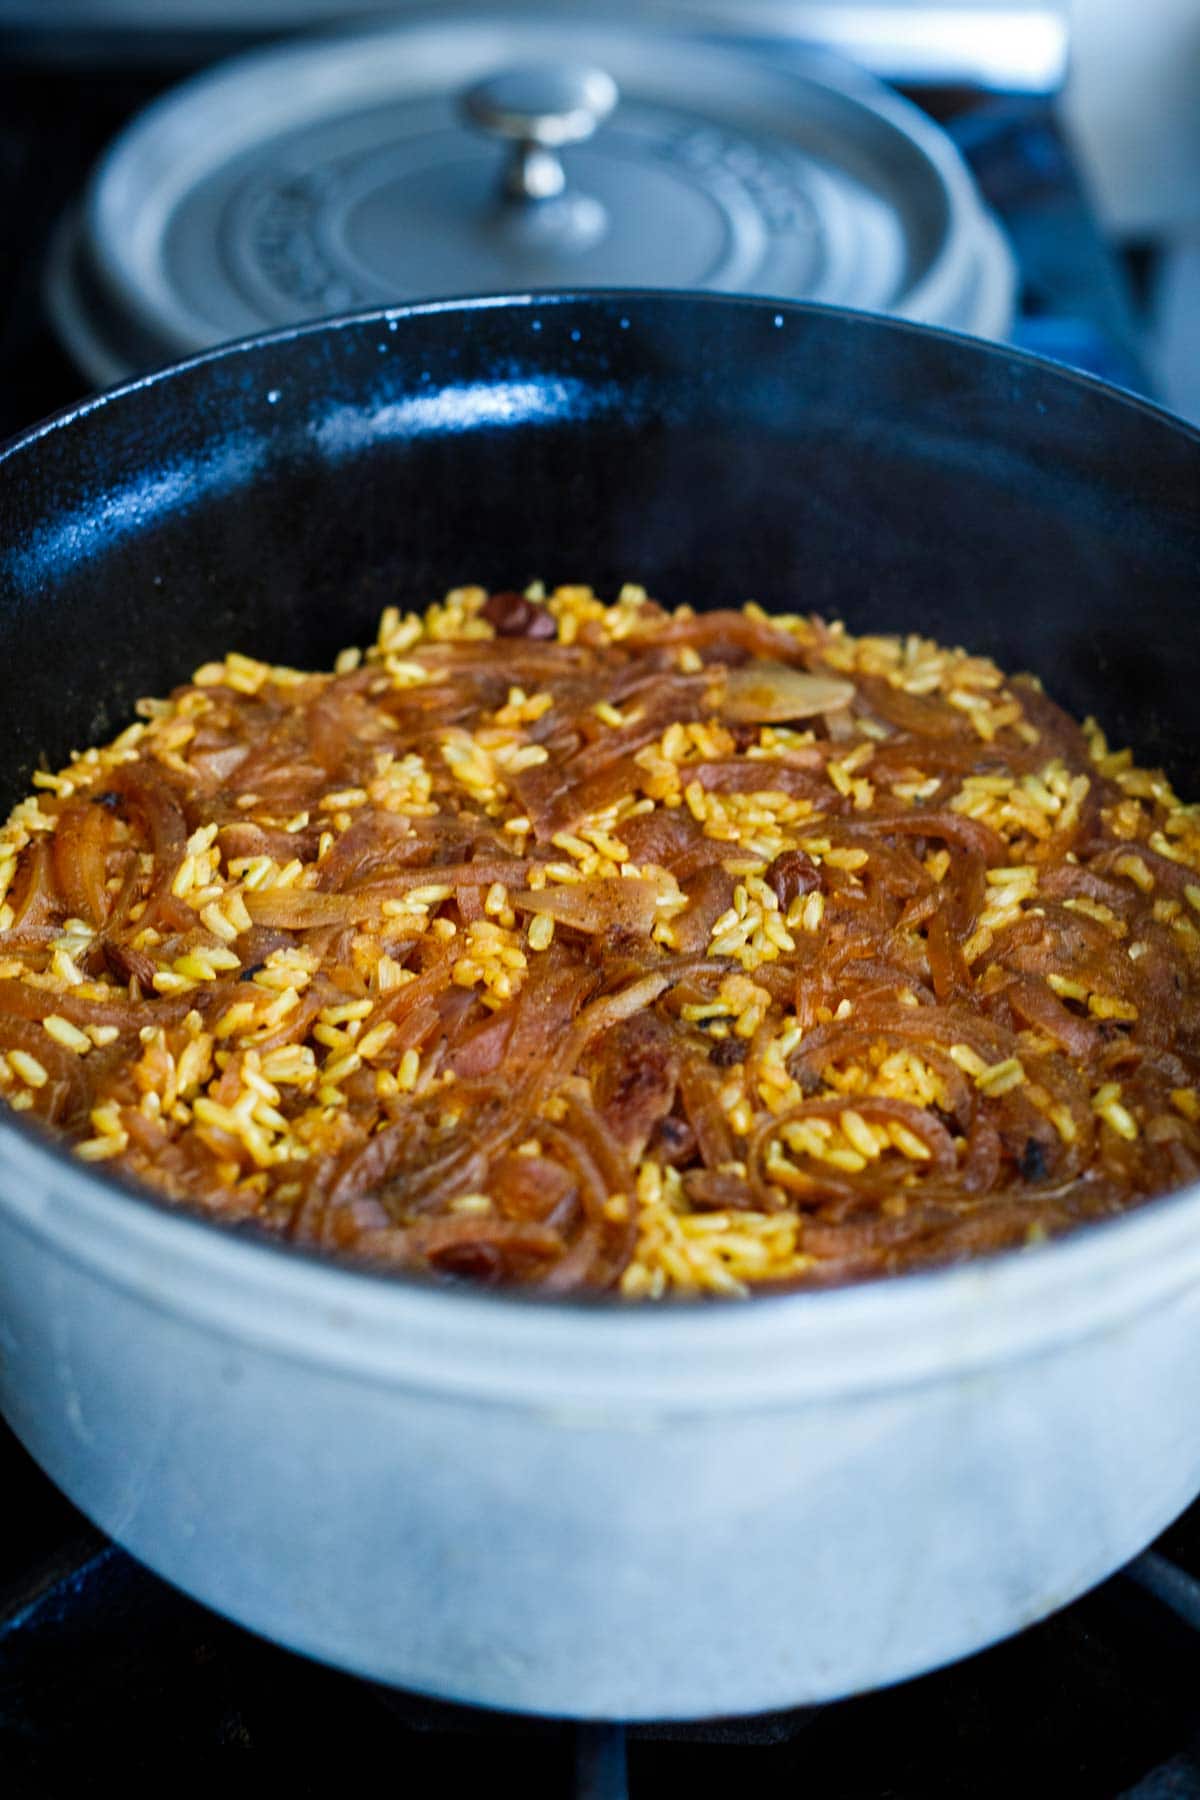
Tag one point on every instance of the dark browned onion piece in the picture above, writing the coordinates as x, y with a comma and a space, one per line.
594, 906
79, 849
19, 1000
147, 794
1037, 1004
700, 1089
635, 1079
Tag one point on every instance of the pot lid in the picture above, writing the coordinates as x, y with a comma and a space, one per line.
472, 155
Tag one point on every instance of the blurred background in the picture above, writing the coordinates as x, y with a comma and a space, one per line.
1043, 188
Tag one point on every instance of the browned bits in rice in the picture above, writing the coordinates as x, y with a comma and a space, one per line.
538, 944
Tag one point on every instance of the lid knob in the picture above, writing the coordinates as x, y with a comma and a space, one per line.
539, 107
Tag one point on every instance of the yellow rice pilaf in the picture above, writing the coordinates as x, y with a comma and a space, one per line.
247, 1086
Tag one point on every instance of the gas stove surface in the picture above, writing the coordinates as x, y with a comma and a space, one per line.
103, 1667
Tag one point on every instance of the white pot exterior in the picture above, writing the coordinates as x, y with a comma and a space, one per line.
600, 1512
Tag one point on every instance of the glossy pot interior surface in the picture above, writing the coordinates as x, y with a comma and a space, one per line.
591, 1509
277, 495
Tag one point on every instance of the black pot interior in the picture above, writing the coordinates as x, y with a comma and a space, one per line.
274, 498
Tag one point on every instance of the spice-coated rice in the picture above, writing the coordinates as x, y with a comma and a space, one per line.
522, 947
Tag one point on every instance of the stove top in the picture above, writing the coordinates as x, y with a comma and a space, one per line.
103, 1667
